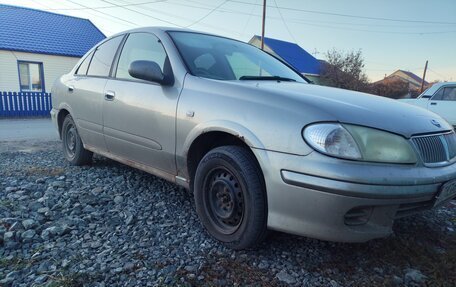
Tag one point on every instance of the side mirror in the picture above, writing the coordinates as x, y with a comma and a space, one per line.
149, 71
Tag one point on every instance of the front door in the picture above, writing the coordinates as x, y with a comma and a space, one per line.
443, 103
139, 116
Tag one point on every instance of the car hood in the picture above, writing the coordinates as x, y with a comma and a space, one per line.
352, 107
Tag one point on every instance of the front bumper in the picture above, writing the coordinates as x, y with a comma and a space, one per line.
346, 201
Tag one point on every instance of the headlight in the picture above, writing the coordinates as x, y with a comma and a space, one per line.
359, 143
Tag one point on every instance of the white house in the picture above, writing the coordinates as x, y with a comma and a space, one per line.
37, 47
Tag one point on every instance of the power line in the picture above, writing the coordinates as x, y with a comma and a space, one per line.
103, 7
248, 19
377, 31
205, 16
231, 11
285, 23
443, 76
186, 19
48, 8
144, 14
312, 23
350, 16
109, 15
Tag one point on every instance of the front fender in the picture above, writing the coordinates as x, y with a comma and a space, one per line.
225, 126
229, 127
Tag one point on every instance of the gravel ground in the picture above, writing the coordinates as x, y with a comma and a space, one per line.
111, 225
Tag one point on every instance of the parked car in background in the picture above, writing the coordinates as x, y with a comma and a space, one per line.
440, 99
258, 145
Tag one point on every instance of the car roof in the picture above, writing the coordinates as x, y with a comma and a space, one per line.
437, 86
157, 29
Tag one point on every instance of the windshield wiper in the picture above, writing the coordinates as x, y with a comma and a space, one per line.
266, 78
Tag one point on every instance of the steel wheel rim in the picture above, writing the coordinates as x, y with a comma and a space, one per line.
70, 140
224, 200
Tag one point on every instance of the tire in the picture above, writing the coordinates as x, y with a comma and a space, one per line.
73, 149
230, 197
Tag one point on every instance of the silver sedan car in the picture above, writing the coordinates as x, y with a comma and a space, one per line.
257, 144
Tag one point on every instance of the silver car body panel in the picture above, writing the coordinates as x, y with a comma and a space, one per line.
152, 127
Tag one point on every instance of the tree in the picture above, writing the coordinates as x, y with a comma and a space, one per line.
344, 70
391, 88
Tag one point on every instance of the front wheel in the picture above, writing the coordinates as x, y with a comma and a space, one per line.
73, 148
230, 197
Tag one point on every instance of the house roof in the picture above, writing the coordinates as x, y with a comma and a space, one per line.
293, 54
413, 76
37, 31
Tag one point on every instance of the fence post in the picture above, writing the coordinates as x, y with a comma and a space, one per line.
19, 106
43, 105
10, 104
35, 104
2, 109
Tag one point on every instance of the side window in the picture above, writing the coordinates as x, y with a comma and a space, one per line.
82, 70
140, 46
438, 95
103, 57
449, 94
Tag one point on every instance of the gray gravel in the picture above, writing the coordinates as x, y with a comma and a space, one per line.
112, 225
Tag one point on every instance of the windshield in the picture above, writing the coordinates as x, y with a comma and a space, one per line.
225, 59
423, 94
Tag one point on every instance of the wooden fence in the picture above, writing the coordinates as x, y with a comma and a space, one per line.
25, 104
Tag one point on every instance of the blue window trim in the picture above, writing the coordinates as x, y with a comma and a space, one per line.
43, 89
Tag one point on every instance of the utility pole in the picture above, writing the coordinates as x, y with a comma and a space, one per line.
424, 76
264, 22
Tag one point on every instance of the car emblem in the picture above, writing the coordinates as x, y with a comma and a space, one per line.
436, 123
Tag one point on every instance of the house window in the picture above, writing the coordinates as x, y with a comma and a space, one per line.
31, 76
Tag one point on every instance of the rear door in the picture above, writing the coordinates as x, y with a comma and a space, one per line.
443, 103
86, 92
139, 117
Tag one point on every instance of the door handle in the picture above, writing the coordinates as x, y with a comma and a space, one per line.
110, 95
70, 88
433, 104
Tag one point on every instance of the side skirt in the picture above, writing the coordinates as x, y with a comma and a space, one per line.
154, 171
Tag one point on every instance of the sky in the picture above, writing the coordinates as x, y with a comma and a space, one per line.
392, 34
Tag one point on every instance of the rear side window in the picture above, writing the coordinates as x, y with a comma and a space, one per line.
103, 57
82, 70
140, 46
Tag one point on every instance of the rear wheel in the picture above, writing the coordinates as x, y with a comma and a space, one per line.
73, 148
230, 197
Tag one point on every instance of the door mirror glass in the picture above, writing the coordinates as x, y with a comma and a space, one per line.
148, 71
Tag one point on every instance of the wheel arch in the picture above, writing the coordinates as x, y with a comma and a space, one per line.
211, 135
60, 118
63, 111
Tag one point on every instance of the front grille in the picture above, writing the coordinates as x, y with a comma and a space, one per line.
436, 148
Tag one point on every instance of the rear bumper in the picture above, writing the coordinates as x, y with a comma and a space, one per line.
54, 113
341, 204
